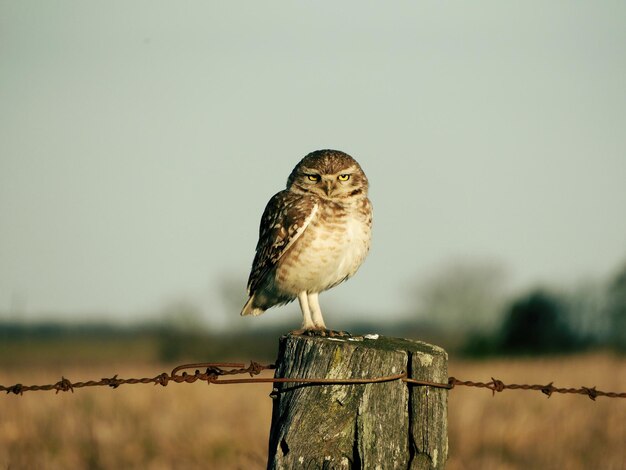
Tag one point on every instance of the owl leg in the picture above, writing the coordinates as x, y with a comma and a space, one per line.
307, 322
320, 326
316, 312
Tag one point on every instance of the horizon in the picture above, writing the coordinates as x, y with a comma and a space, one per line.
139, 146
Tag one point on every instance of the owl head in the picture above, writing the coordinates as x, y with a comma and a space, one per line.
329, 174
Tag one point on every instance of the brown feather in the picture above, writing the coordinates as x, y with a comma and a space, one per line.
284, 219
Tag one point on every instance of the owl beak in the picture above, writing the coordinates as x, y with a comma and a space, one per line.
328, 187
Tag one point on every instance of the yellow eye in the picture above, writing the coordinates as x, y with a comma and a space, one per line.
343, 177
313, 177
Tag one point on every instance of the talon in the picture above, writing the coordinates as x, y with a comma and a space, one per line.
339, 334
313, 332
320, 332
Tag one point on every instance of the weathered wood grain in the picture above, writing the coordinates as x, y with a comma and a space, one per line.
377, 425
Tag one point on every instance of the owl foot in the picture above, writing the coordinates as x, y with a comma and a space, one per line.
337, 334
300, 332
322, 332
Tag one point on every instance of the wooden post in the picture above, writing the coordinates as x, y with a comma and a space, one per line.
370, 426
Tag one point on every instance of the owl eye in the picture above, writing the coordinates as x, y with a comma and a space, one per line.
313, 177
343, 177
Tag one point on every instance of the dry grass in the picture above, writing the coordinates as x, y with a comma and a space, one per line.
226, 427
523, 429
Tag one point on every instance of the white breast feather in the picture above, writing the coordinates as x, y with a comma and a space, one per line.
333, 254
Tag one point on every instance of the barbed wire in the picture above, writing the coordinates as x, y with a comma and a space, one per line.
215, 370
498, 386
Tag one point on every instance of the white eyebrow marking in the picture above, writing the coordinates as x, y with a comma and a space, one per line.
347, 171
310, 171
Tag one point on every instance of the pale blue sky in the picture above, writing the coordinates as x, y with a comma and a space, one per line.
140, 141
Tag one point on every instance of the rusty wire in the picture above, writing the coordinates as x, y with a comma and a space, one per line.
498, 386
215, 370
211, 374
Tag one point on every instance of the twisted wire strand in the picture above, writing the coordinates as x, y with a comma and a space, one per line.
213, 371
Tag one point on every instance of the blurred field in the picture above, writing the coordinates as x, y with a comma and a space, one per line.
524, 429
226, 427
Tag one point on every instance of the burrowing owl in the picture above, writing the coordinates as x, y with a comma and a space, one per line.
314, 235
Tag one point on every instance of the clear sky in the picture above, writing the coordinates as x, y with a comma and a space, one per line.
141, 140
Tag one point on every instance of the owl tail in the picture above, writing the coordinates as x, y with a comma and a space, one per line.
248, 309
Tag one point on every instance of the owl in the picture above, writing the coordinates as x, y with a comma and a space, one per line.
314, 235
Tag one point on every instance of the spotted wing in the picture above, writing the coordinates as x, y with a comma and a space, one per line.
286, 216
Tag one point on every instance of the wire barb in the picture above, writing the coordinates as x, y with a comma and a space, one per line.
498, 386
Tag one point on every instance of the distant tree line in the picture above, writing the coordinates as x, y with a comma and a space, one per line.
469, 300
544, 321
464, 307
